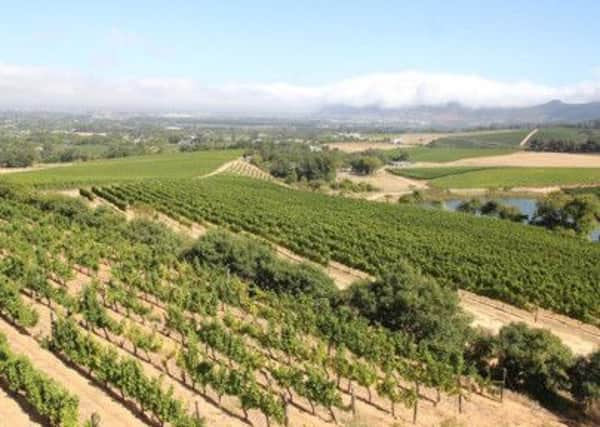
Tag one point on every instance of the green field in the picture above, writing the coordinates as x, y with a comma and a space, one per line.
517, 263
474, 177
503, 139
175, 165
442, 154
575, 135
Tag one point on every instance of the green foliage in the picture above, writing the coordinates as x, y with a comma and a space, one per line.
492, 177
585, 378
294, 161
123, 373
579, 213
434, 172
404, 300
365, 165
566, 140
442, 155
516, 263
499, 139
180, 165
257, 262
491, 208
50, 400
536, 361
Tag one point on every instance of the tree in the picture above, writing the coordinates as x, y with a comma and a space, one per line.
579, 213
405, 300
585, 378
536, 361
365, 165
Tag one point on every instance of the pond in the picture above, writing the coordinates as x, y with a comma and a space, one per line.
527, 207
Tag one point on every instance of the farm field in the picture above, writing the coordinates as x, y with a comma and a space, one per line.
487, 313
477, 254
175, 165
477, 177
225, 353
497, 139
528, 159
442, 154
572, 134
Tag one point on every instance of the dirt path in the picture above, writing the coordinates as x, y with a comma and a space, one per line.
528, 137
491, 314
91, 398
34, 168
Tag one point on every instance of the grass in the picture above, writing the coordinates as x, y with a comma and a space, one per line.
465, 177
442, 154
508, 139
172, 165
435, 172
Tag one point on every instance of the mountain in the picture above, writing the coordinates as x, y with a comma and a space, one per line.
455, 115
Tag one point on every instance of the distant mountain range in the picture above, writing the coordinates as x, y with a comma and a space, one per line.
455, 115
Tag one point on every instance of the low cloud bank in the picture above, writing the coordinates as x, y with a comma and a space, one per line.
45, 87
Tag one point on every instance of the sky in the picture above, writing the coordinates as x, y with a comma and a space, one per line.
296, 55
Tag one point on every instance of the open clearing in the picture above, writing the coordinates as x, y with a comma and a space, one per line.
387, 184
526, 159
408, 139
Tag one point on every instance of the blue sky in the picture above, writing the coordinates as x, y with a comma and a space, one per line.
302, 44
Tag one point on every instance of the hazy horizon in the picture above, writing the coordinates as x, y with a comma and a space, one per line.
279, 57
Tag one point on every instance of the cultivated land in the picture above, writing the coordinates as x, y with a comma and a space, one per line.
477, 254
443, 155
533, 159
176, 165
487, 313
465, 177
497, 139
525, 266
107, 248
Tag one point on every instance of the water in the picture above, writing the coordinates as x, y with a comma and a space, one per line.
527, 207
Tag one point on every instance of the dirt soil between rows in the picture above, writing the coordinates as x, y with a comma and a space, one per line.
516, 410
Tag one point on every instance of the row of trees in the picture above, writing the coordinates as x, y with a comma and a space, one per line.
590, 145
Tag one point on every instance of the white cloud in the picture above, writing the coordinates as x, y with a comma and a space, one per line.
45, 87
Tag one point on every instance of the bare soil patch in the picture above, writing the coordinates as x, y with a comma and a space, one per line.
407, 140
13, 414
491, 314
528, 159
389, 186
33, 168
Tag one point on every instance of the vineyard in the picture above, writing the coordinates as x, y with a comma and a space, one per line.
184, 344
169, 165
515, 263
508, 139
243, 168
